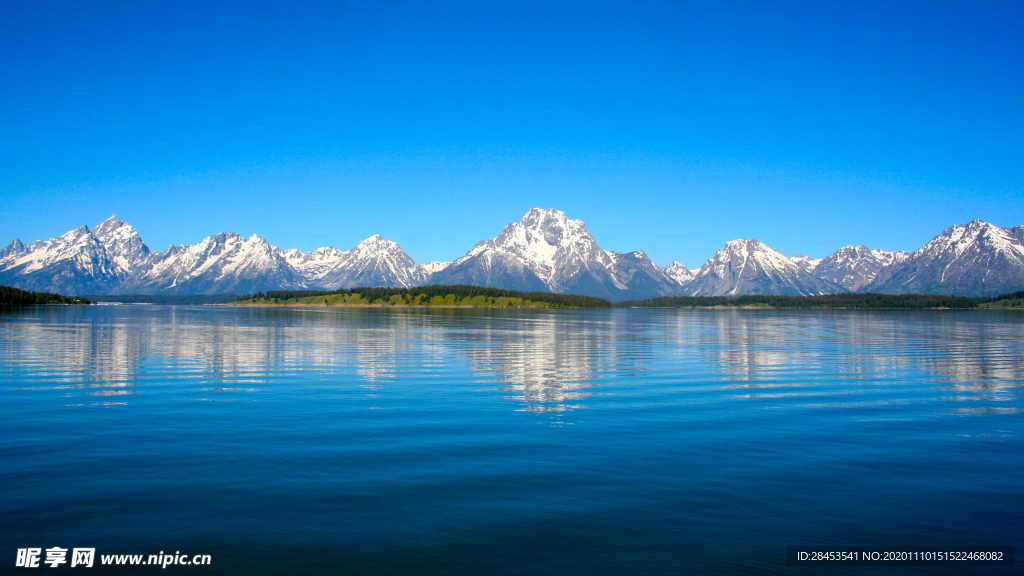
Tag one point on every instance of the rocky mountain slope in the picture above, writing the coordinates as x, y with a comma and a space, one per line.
973, 259
676, 271
80, 261
545, 250
751, 267
113, 259
222, 263
855, 267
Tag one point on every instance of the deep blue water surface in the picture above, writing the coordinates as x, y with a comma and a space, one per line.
371, 441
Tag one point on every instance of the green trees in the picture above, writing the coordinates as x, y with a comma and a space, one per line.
16, 297
827, 301
434, 295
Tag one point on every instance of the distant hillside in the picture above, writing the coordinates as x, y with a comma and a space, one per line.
434, 295
15, 297
1004, 302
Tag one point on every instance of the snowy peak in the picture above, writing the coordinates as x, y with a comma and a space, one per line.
856, 267
547, 250
636, 276
543, 250
222, 263
977, 258
805, 263
122, 243
14, 248
751, 267
756, 254
373, 262
109, 225
79, 261
308, 261
546, 242
677, 272
435, 266
375, 246
976, 235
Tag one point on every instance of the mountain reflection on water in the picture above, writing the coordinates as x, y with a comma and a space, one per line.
465, 442
543, 361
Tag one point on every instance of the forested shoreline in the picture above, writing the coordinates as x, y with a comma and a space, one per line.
834, 302
10, 296
486, 297
434, 295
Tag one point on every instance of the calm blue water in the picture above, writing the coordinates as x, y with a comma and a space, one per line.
373, 441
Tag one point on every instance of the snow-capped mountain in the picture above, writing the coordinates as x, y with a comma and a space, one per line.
676, 271
435, 266
227, 263
750, 267
806, 263
113, 259
14, 248
81, 261
855, 267
546, 250
373, 262
220, 264
123, 244
639, 277
976, 259
316, 264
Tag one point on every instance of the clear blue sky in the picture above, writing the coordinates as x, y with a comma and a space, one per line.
671, 127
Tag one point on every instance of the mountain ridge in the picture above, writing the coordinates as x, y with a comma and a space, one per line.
544, 251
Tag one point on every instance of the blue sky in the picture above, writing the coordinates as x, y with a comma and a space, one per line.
671, 127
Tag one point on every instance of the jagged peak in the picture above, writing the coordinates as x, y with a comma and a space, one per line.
376, 240
111, 225
15, 247
751, 250
75, 232
375, 246
436, 266
973, 227
547, 218
548, 226
955, 236
537, 213
113, 221
325, 250
745, 244
856, 248
676, 271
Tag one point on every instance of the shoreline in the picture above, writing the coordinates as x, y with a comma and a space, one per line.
613, 307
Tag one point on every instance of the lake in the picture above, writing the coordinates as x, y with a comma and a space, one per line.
389, 441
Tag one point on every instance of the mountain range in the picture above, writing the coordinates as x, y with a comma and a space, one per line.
545, 250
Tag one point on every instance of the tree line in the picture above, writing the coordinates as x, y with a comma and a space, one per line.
10, 296
825, 301
190, 299
459, 294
